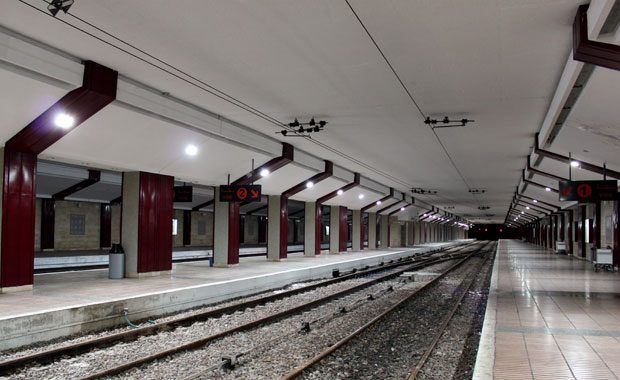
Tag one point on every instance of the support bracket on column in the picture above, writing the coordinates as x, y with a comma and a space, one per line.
373, 204
530, 182
93, 177
583, 165
593, 52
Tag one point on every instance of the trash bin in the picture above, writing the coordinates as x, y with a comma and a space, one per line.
117, 262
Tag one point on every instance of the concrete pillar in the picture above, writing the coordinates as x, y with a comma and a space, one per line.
385, 228
356, 233
220, 231
310, 229
410, 234
372, 230
394, 234
334, 229
147, 223
273, 229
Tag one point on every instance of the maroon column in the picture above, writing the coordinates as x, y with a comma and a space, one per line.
596, 225
105, 226
187, 227
318, 228
362, 228
19, 171
283, 227
616, 227
582, 231
344, 230
48, 219
155, 222
569, 232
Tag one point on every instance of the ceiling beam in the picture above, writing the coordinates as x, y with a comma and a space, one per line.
271, 165
544, 174
325, 198
593, 52
530, 182
93, 177
377, 203
583, 165
538, 200
301, 186
203, 204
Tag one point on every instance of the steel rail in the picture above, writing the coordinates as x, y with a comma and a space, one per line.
51, 355
112, 371
442, 328
299, 370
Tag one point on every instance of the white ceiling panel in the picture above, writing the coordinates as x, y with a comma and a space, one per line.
119, 139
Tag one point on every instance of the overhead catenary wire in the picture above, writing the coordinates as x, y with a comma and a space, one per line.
417, 106
207, 88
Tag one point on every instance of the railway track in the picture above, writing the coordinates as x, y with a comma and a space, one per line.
52, 355
363, 345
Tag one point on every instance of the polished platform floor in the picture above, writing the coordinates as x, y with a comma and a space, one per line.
556, 317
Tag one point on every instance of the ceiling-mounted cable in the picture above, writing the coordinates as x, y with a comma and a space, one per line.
417, 106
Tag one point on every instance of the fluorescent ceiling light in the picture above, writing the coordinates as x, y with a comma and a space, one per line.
264, 172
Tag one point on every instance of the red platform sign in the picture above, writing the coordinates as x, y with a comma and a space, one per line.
240, 193
588, 191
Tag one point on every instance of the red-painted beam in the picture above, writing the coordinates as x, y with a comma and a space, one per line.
333, 194
530, 182
399, 210
93, 177
583, 165
97, 91
319, 203
272, 165
234, 207
20, 164
539, 201
377, 203
327, 172
593, 52
542, 173
203, 205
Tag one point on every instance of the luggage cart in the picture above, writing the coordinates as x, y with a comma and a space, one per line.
604, 260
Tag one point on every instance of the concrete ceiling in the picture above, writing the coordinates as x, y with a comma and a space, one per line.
495, 61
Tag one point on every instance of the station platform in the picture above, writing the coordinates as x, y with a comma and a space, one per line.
67, 303
549, 317
57, 260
